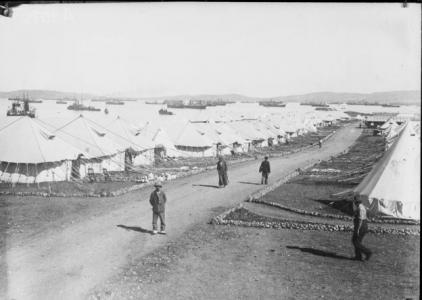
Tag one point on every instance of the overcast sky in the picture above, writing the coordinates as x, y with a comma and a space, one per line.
154, 49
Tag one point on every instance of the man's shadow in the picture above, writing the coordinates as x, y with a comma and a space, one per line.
319, 252
246, 182
207, 185
135, 228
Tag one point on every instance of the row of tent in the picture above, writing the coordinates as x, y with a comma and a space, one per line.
392, 188
39, 150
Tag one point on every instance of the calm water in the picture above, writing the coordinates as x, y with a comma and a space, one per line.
139, 112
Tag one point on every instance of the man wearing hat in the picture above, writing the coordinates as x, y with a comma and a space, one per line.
158, 201
265, 170
360, 223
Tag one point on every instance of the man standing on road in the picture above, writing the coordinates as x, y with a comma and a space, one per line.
222, 172
360, 223
265, 170
158, 201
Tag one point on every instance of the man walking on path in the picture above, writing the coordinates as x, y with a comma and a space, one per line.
158, 201
222, 172
265, 169
360, 223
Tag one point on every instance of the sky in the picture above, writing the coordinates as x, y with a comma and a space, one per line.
255, 49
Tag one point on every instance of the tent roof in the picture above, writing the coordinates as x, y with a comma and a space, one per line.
190, 137
158, 136
124, 133
25, 140
87, 136
393, 185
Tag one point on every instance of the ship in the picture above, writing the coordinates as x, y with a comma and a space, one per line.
319, 105
78, 106
165, 112
217, 102
153, 102
61, 102
182, 104
115, 102
19, 110
390, 105
24, 98
272, 103
323, 108
191, 106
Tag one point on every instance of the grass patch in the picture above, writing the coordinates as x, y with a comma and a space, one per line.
311, 190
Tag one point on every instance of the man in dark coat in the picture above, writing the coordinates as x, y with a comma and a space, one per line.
158, 201
265, 170
222, 172
360, 223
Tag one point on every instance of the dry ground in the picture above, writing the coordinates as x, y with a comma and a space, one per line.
84, 247
224, 262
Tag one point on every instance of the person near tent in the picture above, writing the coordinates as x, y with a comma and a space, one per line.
222, 172
265, 170
360, 222
158, 201
128, 160
320, 143
76, 164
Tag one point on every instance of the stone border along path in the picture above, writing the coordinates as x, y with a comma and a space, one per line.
288, 224
140, 186
304, 225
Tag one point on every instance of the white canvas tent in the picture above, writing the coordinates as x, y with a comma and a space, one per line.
191, 143
126, 134
230, 138
101, 152
160, 139
31, 153
187, 140
393, 186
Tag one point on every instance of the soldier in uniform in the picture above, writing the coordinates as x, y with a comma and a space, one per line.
158, 201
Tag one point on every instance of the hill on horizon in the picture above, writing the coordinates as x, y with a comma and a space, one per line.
391, 97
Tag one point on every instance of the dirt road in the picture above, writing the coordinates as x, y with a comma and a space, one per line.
68, 262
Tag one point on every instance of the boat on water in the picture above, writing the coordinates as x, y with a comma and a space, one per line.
24, 98
192, 106
154, 102
78, 106
320, 105
272, 103
323, 108
165, 112
185, 104
21, 110
61, 102
390, 105
115, 102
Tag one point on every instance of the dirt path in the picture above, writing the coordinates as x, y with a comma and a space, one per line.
69, 262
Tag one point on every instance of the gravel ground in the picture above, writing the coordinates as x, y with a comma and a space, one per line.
224, 262
86, 244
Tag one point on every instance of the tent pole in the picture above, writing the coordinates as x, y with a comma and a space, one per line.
16, 169
36, 174
27, 175
7, 166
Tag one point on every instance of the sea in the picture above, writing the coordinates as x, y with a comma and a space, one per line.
138, 113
